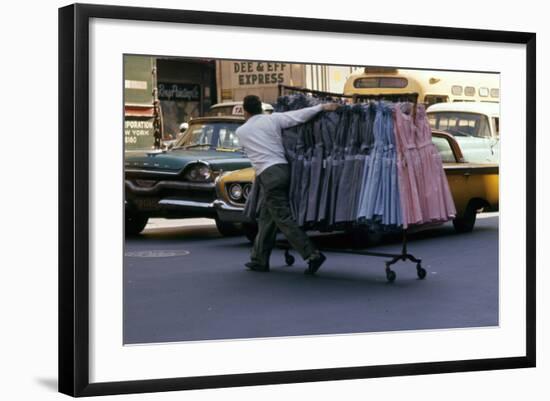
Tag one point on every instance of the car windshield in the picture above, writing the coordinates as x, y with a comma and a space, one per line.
461, 123
211, 135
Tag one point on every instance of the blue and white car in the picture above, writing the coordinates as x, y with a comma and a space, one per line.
474, 125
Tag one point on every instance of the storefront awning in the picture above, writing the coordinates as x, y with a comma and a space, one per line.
139, 111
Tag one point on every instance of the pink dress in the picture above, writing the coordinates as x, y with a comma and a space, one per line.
437, 201
408, 166
423, 186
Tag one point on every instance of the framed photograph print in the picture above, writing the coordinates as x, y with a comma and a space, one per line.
253, 199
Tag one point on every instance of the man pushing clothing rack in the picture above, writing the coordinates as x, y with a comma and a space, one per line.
261, 138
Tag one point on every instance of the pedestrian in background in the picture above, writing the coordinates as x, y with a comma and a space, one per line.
261, 138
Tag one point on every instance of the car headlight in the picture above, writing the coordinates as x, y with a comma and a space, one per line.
235, 191
199, 172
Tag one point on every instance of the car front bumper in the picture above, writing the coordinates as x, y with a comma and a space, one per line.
229, 213
172, 199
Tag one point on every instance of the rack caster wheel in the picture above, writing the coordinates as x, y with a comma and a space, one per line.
421, 272
289, 259
390, 275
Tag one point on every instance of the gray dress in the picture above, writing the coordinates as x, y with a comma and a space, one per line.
316, 172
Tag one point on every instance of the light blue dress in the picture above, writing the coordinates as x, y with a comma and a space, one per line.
379, 200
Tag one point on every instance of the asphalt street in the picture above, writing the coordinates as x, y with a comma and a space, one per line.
184, 282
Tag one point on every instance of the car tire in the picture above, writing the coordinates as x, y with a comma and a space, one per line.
250, 231
466, 222
135, 223
228, 229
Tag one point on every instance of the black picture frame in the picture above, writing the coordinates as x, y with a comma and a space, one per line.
74, 201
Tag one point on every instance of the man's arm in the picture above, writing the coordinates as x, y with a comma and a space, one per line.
292, 118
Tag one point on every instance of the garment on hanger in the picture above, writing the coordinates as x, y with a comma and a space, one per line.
437, 202
253, 202
304, 181
316, 171
408, 164
379, 202
354, 117
362, 159
425, 194
337, 163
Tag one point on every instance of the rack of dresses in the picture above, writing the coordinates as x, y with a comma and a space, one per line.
369, 164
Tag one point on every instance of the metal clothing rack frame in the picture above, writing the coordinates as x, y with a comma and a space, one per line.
394, 97
316, 93
399, 97
404, 255
356, 98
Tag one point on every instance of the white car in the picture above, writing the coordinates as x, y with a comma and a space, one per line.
475, 126
233, 109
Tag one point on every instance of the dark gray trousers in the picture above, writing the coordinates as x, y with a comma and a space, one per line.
275, 213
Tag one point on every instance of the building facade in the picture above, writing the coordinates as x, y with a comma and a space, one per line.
238, 78
186, 88
138, 102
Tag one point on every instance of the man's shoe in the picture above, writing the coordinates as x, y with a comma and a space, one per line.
315, 264
256, 267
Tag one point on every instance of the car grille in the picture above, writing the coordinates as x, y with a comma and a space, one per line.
145, 183
187, 194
